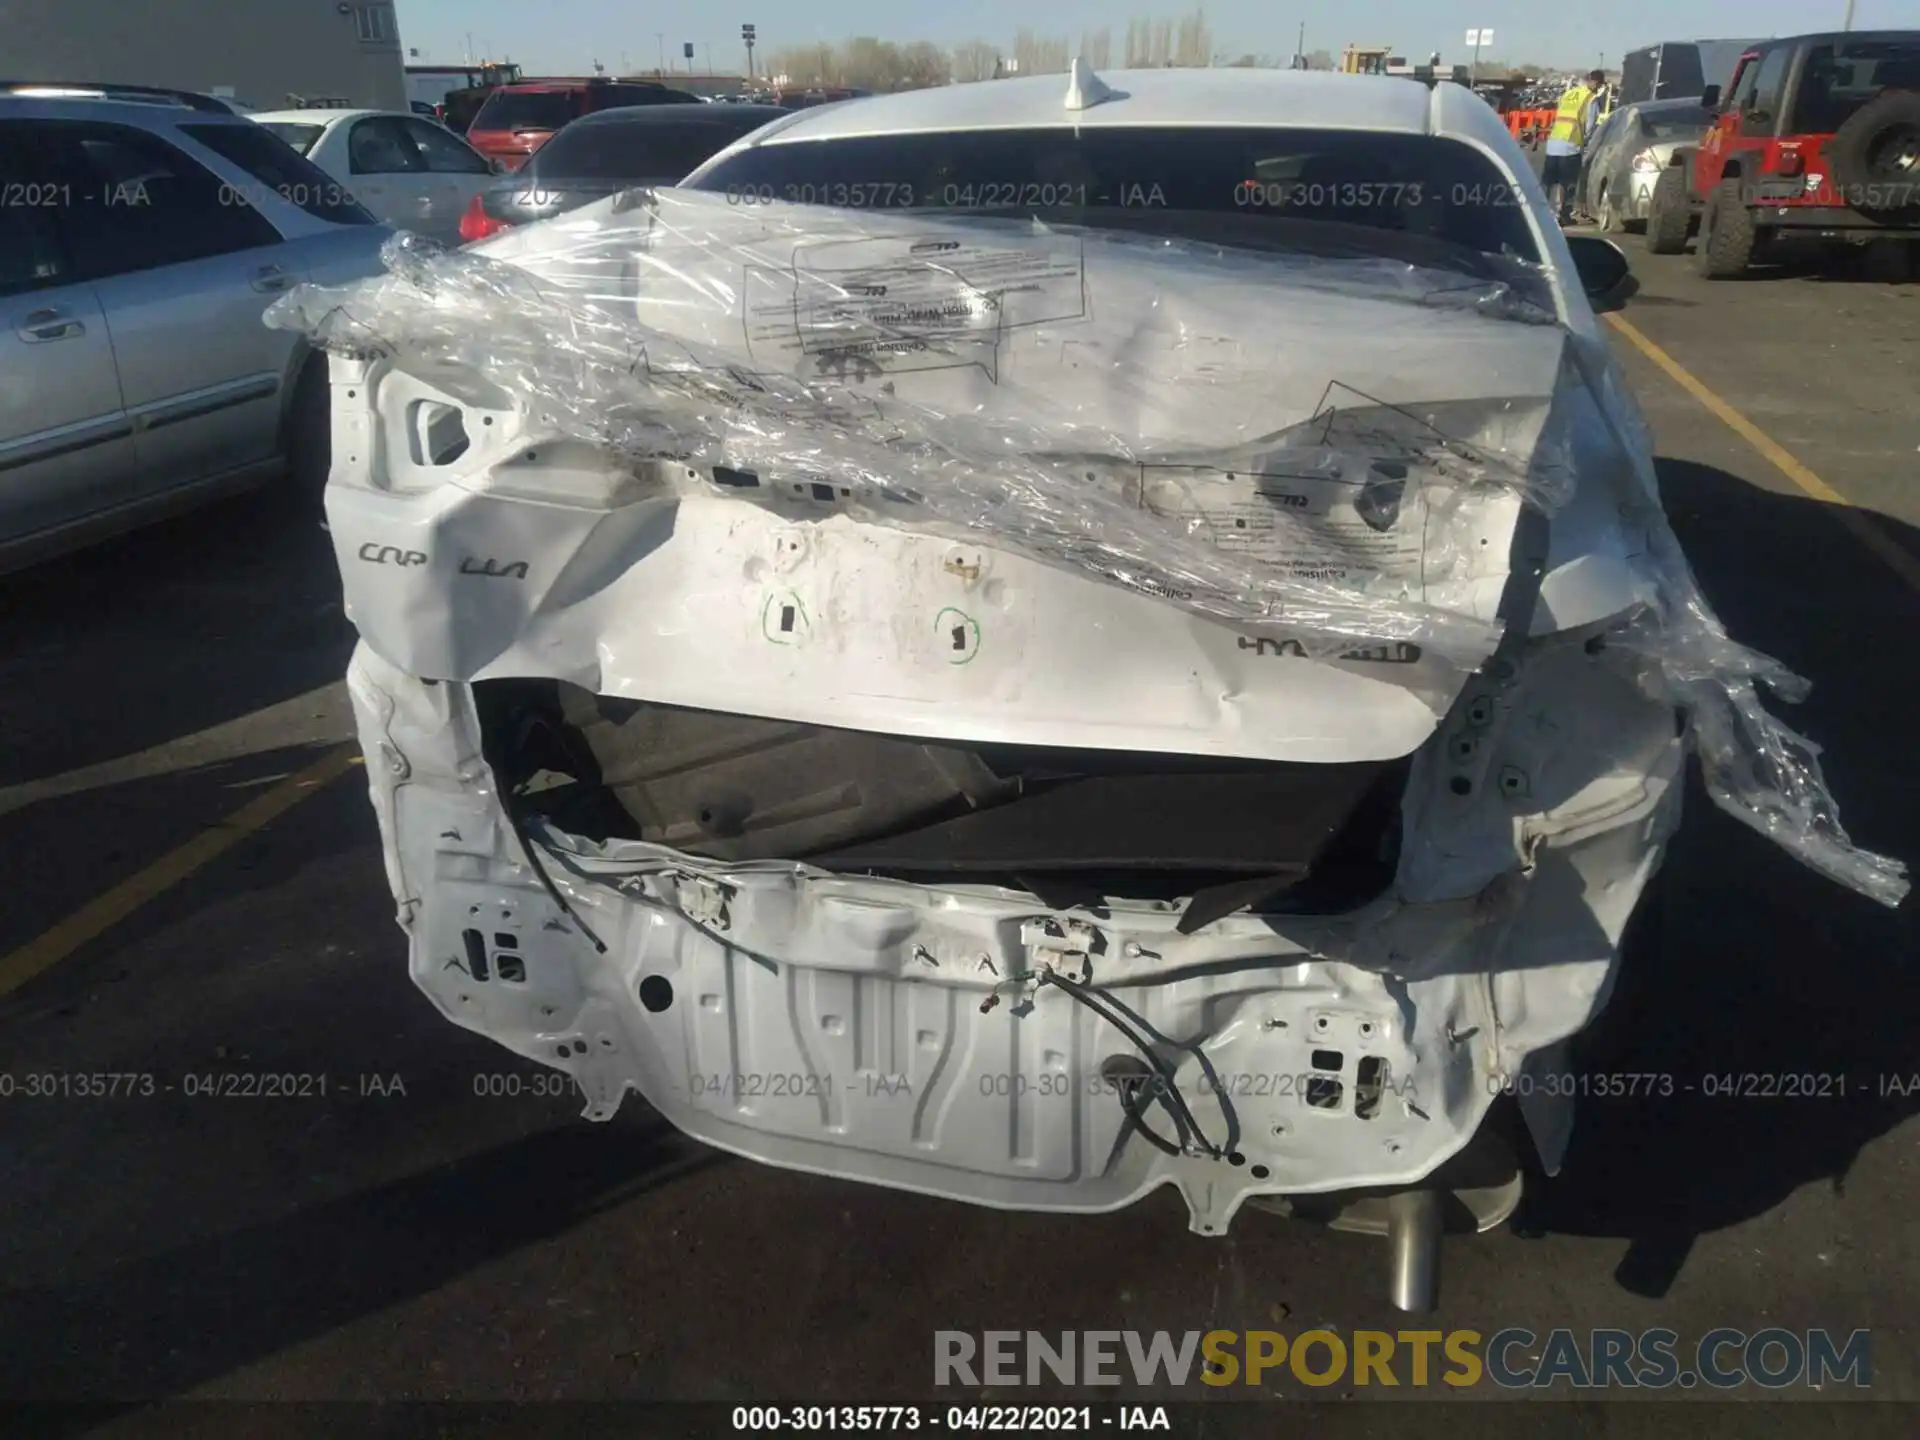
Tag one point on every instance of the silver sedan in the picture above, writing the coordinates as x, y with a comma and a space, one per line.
1627, 155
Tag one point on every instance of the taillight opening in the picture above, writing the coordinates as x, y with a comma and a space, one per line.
1789, 162
477, 224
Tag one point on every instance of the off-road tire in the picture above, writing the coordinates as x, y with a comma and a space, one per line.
1725, 246
1669, 216
1874, 126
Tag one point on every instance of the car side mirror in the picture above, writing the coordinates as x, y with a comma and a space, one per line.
1604, 273
1710, 98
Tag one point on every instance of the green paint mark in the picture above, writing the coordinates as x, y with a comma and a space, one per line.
959, 635
783, 619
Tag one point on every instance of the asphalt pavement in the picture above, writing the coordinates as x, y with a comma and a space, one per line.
402, 1236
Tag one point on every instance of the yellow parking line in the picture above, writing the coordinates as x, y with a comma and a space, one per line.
104, 911
1857, 522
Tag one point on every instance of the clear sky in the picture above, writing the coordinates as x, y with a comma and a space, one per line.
564, 36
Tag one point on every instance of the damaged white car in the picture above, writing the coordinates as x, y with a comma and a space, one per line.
1028, 642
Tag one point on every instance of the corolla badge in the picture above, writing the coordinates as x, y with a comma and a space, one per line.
492, 568
375, 553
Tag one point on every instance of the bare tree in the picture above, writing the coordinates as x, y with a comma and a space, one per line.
975, 60
923, 65
799, 63
1194, 45
1038, 55
1160, 45
1138, 44
1320, 60
1097, 47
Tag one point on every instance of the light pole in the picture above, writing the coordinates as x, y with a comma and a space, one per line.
1847, 23
1477, 38
661, 36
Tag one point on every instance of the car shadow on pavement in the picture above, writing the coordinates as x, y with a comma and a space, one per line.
67, 850
1821, 262
167, 631
1787, 1003
158, 1326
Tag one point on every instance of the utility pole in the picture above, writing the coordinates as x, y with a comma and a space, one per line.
1300, 47
1477, 38
469, 47
661, 36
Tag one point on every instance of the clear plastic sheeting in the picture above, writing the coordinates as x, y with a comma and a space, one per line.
1757, 769
1335, 451
1156, 413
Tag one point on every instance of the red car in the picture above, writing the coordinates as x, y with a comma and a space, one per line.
517, 120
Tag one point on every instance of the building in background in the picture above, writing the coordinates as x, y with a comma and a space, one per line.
269, 56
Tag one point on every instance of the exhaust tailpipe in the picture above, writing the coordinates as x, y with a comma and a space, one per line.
1413, 1235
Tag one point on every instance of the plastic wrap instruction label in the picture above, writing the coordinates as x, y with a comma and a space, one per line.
861, 309
1308, 527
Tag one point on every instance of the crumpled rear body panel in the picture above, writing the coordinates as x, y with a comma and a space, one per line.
1415, 540
836, 1023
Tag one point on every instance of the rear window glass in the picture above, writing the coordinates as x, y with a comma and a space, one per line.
649, 150
528, 110
1839, 79
1674, 124
296, 179
1283, 188
614, 97
300, 137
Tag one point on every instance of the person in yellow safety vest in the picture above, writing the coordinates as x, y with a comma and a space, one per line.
1574, 121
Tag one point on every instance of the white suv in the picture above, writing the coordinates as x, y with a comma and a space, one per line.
142, 233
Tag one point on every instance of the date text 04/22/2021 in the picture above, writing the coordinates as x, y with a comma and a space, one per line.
950, 1419
196, 1085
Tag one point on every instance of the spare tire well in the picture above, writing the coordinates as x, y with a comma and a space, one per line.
1068, 825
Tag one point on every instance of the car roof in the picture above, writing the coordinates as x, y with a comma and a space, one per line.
1837, 37
679, 113
325, 117
1663, 107
124, 110
1194, 98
